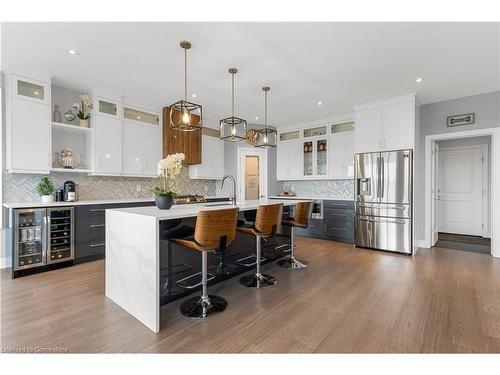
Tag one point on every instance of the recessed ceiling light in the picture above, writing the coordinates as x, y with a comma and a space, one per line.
139, 117
72, 52
320, 103
194, 95
418, 80
256, 117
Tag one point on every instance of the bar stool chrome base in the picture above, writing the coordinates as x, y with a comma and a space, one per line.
291, 263
257, 281
199, 308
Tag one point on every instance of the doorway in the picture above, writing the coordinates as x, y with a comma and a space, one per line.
252, 174
461, 193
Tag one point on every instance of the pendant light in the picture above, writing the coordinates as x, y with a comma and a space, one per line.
267, 136
232, 129
184, 115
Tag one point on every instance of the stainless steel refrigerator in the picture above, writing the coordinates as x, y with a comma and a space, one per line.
383, 194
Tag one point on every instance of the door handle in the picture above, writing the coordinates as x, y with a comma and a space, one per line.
98, 225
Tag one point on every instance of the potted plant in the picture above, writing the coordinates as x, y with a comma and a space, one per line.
45, 189
83, 110
169, 167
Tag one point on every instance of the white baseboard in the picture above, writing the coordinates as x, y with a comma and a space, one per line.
421, 243
5, 262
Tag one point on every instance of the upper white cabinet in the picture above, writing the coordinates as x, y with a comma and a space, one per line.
368, 130
28, 135
341, 155
322, 152
385, 125
108, 145
142, 142
289, 158
399, 125
212, 156
107, 107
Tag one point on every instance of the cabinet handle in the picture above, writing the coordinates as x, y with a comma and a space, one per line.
97, 244
98, 225
335, 228
97, 210
49, 161
343, 215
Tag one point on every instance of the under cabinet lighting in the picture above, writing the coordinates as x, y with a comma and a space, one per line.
72, 52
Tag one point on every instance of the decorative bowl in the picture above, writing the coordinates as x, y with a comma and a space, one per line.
70, 116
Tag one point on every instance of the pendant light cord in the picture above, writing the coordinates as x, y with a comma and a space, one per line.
265, 109
185, 74
232, 94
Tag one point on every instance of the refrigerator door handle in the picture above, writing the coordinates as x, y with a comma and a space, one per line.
382, 177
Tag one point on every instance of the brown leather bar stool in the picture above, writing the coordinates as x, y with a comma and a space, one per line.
266, 224
300, 219
214, 231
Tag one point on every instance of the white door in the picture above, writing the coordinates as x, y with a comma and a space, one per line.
435, 192
398, 125
368, 130
108, 145
30, 136
132, 148
460, 191
242, 180
152, 148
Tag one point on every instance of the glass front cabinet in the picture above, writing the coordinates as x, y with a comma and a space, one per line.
315, 151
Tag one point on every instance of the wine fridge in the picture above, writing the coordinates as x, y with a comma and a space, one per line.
42, 236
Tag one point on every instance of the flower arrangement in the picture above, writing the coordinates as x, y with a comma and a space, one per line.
169, 167
83, 109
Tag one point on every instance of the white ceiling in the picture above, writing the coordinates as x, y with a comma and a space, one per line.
339, 64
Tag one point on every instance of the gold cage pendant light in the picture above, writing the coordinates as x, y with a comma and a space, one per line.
232, 129
185, 115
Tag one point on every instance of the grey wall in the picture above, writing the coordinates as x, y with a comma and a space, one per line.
433, 121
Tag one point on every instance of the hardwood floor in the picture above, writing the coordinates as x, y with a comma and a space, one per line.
348, 300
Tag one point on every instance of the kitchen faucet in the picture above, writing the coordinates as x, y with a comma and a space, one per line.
233, 198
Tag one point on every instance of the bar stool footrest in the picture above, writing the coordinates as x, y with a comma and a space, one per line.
242, 262
180, 282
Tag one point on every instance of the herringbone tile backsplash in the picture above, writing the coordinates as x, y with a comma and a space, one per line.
330, 189
22, 187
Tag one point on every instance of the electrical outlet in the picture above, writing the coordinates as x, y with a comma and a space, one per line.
138, 188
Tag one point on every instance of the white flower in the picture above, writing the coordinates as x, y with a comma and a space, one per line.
76, 106
87, 102
171, 166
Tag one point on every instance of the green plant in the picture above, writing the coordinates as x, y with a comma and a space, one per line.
160, 191
45, 187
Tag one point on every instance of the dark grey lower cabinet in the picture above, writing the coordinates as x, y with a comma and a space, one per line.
337, 222
90, 229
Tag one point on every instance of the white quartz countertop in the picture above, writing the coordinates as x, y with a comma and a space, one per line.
77, 203
191, 210
301, 197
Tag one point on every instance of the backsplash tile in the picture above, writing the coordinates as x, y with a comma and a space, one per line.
331, 189
19, 187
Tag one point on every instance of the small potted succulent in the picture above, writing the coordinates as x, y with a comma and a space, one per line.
46, 190
169, 167
83, 110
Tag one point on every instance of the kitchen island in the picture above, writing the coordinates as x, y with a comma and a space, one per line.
144, 271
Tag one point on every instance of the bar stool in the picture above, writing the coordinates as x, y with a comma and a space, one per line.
214, 231
266, 224
301, 217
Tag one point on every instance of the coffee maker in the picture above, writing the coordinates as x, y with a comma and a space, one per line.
70, 191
